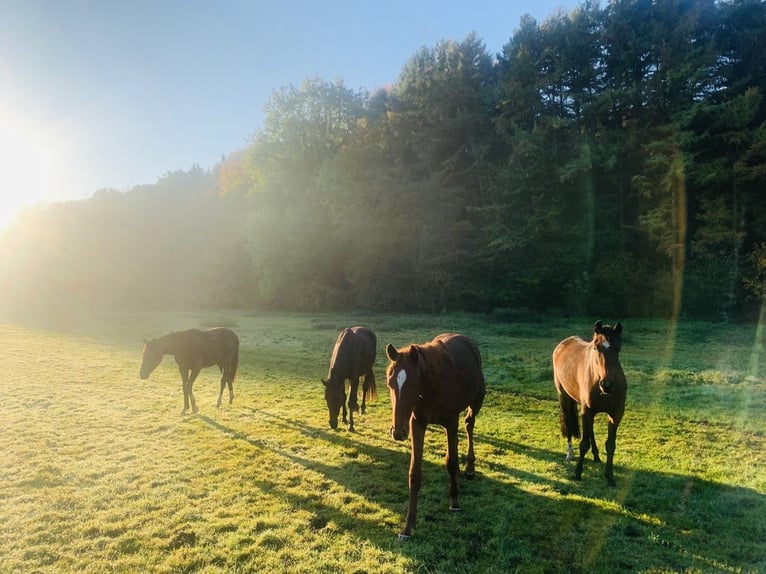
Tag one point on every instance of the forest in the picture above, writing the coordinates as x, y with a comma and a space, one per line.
609, 161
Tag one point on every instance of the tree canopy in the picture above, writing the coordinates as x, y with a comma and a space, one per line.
608, 161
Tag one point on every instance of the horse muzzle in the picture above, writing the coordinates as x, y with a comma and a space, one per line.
398, 434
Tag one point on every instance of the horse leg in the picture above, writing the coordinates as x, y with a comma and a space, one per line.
470, 466
226, 379
587, 433
350, 412
593, 446
417, 436
365, 390
185, 385
230, 384
452, 464
220, 393
611, 445
192, 400
350, 419
353, 405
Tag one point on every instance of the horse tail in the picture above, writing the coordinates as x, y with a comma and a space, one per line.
570, 424
371, 390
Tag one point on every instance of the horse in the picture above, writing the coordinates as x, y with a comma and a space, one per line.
432, 384
589, 373
194, 350
352, 357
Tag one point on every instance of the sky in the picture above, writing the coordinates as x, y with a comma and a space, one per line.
115, 93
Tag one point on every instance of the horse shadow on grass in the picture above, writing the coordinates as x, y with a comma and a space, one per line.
517, 520
651, 520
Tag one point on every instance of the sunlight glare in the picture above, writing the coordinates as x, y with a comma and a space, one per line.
30, 164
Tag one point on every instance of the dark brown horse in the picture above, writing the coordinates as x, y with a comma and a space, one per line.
589, 373
432, 384
352, 357
193, 351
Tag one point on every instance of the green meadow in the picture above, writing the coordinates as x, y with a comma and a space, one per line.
100, 473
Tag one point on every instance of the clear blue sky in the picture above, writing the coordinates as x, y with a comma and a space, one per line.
114, 93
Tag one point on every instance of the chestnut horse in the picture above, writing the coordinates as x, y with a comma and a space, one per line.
194, 350
589, 373
352, 357
432, 384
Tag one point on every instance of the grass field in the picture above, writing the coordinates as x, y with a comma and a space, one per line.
100, 472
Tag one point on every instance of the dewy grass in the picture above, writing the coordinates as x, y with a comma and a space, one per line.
100, 473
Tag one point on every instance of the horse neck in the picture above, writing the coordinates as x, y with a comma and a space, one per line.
614, 368
438, 358
332, 375
168, 344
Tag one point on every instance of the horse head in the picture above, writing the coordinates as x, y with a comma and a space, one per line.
607, 342
403, 375
335, 397
152, 356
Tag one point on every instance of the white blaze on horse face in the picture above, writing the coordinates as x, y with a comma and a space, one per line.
400, 378
605, 345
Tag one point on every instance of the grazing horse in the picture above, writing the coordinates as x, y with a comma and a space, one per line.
193, 351
432, 384
589, 373
352, 357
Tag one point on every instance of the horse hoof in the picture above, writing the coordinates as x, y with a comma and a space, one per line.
403, 537
351, 429
454, 508
611, 482
470, 475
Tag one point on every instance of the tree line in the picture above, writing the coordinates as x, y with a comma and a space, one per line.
608, 161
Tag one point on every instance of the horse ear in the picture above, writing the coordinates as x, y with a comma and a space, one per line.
597, 326
391, 352
618, 328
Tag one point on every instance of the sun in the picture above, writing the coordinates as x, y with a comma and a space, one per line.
29, 165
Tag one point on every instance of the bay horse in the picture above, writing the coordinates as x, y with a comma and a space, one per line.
589, 373
432, 384
352, 357
194, 350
